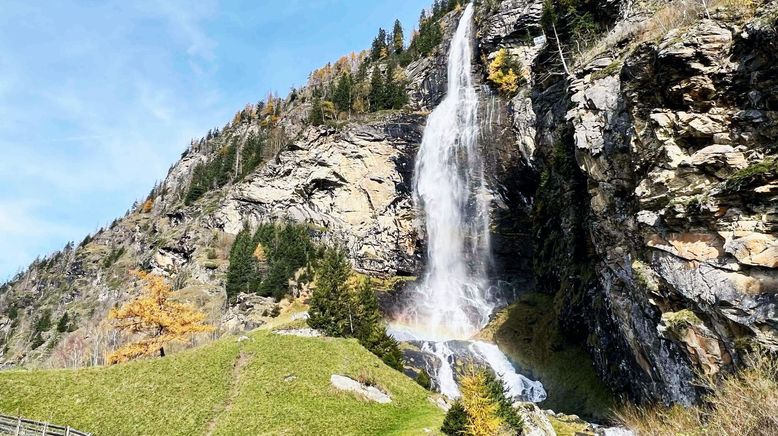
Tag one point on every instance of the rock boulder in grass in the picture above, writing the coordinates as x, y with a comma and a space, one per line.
372, 393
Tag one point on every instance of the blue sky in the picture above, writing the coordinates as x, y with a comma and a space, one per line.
99, 98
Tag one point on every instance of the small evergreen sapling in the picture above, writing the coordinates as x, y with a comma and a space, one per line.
423, 379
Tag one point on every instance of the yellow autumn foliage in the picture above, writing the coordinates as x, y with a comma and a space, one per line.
147, 205
481, 408
505, 72
259, 253
157, 318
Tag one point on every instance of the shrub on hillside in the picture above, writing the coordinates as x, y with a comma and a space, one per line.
113, 256
455, 422
423, 379
505, 72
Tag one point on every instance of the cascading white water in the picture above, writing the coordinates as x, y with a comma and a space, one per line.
454, 300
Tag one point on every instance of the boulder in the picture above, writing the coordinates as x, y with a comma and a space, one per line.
372, 393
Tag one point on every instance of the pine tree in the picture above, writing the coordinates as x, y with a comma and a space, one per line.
376, 97
343, 95
437, 8
423, 379
331, 304
367, 313
339, 310
242, 273
378, 49
225, 165
315, 117
395, 96
499, 392
398, 37
157, 317
251, 155
287, 248
199, 185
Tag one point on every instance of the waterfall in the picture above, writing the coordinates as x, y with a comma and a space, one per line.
454, 301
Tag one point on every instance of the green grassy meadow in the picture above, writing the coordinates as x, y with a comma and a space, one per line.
270, 384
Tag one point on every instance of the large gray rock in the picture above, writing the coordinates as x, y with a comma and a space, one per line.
372, 393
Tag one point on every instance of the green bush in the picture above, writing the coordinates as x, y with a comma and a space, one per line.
37, 341
423, 379
113, 256
64, 323
758, 173
455, 422
43, 323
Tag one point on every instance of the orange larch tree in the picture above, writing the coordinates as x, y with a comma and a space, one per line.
156, 317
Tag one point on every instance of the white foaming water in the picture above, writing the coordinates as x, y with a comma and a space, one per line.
445, 373
454, 300
518, 385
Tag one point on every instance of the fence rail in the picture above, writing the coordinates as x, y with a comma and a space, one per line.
16, 426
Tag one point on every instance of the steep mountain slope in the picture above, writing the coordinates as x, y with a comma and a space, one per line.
632, 174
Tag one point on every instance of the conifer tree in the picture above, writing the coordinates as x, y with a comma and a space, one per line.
155, 316
316, 117
287, 248
481, 408
437, 8
395, 96
377, 94
424, 380
378, 49
455, 422
343, 95
331, 305
339, 310
199, 185
242, 274
398, 39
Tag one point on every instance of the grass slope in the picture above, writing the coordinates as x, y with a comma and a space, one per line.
270, 384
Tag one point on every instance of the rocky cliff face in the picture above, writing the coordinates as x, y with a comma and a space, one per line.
639, 188
661, 147
354, 184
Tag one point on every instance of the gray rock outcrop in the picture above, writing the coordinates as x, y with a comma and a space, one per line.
347, 384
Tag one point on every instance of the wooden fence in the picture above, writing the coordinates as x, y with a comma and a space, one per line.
15, 426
